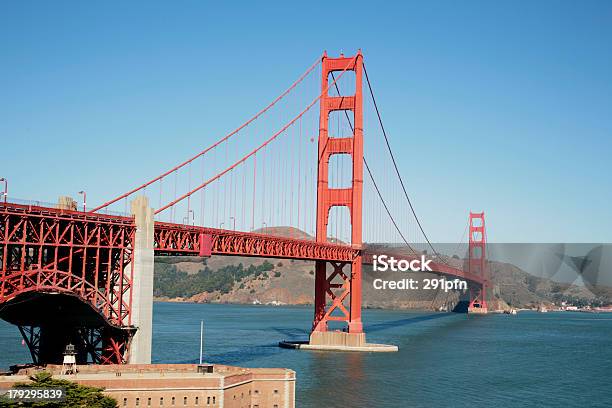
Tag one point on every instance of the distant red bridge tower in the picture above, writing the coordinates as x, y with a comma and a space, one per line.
477, 261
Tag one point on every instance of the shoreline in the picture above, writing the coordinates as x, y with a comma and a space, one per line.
296, 305
304, 306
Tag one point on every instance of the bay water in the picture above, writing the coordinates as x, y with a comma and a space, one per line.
444, 360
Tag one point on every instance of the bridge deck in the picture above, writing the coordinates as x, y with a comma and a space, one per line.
174, 239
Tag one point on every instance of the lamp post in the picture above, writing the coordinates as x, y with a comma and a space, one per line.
5, 194
264, 225
188, 207
233, 223
221, 225
186, 219
84, 194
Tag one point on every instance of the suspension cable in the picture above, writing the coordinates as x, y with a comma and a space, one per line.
229, 135
387, 208
395, 164
384, 203
254, 151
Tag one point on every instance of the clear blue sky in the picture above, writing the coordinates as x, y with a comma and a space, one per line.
509, 103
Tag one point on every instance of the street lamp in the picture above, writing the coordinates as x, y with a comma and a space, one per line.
186, 219
84, 194
233, 223
221, 225
264, 226
5, 194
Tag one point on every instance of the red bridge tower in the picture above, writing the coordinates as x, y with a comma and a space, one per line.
477, 261
338, 291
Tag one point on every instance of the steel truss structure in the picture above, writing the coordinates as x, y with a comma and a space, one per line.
87, 256
177, 239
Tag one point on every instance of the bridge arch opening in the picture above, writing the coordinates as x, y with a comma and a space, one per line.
49, 321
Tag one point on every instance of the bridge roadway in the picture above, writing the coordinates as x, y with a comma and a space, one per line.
24, 228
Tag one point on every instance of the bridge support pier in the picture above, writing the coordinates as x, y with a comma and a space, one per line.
478, 303
336, 285
142, 290
333, 291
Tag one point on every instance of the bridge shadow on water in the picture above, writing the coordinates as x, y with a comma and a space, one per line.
254, 352
292, 333
368, 328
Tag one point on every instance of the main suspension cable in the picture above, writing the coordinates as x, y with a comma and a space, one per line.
225, 138
395, 164
384, 203
254, 151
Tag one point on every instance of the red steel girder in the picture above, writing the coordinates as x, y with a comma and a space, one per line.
179, 239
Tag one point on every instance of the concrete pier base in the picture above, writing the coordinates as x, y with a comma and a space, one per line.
337, 338
478, 310
338, 341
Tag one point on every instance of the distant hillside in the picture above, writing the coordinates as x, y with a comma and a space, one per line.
171, 282
289, 232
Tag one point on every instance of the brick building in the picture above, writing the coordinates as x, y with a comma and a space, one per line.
181, 385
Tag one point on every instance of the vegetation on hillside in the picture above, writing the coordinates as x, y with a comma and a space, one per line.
559, 298
172, 283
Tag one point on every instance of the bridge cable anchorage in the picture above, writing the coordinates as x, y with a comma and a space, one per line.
260, 147
225, 138
384, 203
395, 166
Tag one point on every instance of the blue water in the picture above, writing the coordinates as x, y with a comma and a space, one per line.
445, 360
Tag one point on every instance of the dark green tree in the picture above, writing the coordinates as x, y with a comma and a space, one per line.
77, 396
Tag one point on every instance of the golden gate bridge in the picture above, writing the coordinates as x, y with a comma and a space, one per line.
85, 276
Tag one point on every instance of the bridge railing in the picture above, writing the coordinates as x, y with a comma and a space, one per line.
106, 211
46, 204
35, 203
